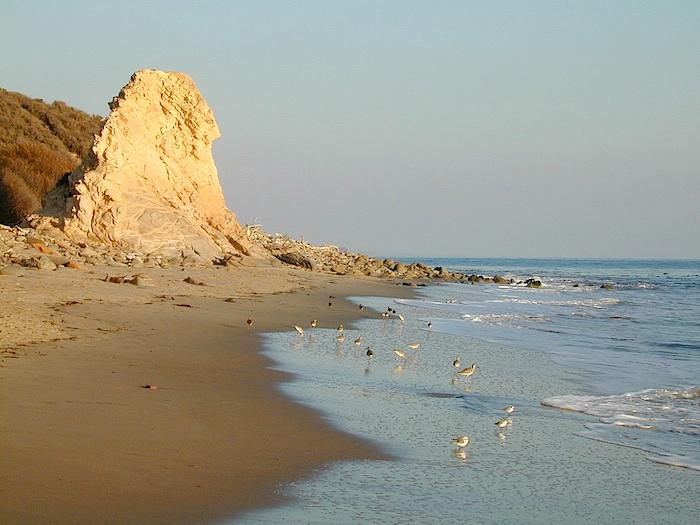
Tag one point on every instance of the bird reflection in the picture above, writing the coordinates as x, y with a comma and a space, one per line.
461, 455
398, 369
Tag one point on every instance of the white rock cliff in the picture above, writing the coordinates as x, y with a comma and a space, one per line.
150, 183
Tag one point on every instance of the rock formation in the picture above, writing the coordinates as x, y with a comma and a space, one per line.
150, 183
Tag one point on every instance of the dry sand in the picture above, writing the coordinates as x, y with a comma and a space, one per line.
83, 442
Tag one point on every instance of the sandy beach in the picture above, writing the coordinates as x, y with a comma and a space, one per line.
84, 442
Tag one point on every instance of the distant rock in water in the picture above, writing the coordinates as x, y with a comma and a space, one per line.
150, 183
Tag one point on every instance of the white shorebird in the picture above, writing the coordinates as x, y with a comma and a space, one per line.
457, 362
358, 341
399, 353
461, 441
401, 318
468, 372
340, 328
340, 338
509, 409
314, 323
299, 329
385, 314
502, 423
413, 345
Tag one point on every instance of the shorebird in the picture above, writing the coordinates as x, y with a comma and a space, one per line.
461, 441
314, 323
457, 362
299, 329
358, 341
502, 423
362, 307
340, 328
401, 318
467, 372
249, 322
413, 346
385, 314
369, 352
430, 324
330, 304
399, 353
340, 338
509, 409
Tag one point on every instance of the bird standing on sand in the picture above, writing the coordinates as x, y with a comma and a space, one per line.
457, 362
461, 441
413, 346
299, 329
399, 353
314, 323
468, 372
509, 409
249, 322
385, 314
362, 307
330, 304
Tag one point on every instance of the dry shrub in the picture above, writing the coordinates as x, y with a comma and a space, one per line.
27, 172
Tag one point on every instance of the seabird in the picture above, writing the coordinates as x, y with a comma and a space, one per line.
467, 372
461, 441
299, 329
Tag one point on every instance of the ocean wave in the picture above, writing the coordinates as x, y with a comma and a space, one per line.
661, 409
586, 303
663, 422
511, 320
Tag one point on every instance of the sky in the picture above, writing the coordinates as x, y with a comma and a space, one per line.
414, 128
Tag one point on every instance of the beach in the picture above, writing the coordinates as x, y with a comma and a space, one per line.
84, 441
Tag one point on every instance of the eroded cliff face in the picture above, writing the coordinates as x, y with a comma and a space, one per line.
150, 182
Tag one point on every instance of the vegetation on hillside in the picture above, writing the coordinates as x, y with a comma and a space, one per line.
39, 143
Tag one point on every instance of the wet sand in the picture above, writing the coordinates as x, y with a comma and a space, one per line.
83, 442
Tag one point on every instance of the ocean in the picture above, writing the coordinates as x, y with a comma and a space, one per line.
602, 364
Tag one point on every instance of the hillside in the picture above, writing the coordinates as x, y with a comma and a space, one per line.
39, 143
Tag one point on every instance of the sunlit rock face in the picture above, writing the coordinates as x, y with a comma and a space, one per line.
150, 183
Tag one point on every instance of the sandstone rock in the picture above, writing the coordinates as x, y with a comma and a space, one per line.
59, 260
13, 269
499, 280
295, 259
150, 183
44, 263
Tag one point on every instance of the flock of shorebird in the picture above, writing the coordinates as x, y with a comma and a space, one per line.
466, 373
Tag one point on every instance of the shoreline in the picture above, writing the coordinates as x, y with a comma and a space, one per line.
85, 442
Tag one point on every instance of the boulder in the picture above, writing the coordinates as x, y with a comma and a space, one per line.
295, 259
149, 183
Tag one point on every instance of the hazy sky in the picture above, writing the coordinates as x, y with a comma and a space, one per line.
456, 128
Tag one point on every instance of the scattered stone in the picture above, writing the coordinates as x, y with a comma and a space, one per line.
295, 259
44, 263
59, 260
607, 286
13, 269
150, 387
190, 280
